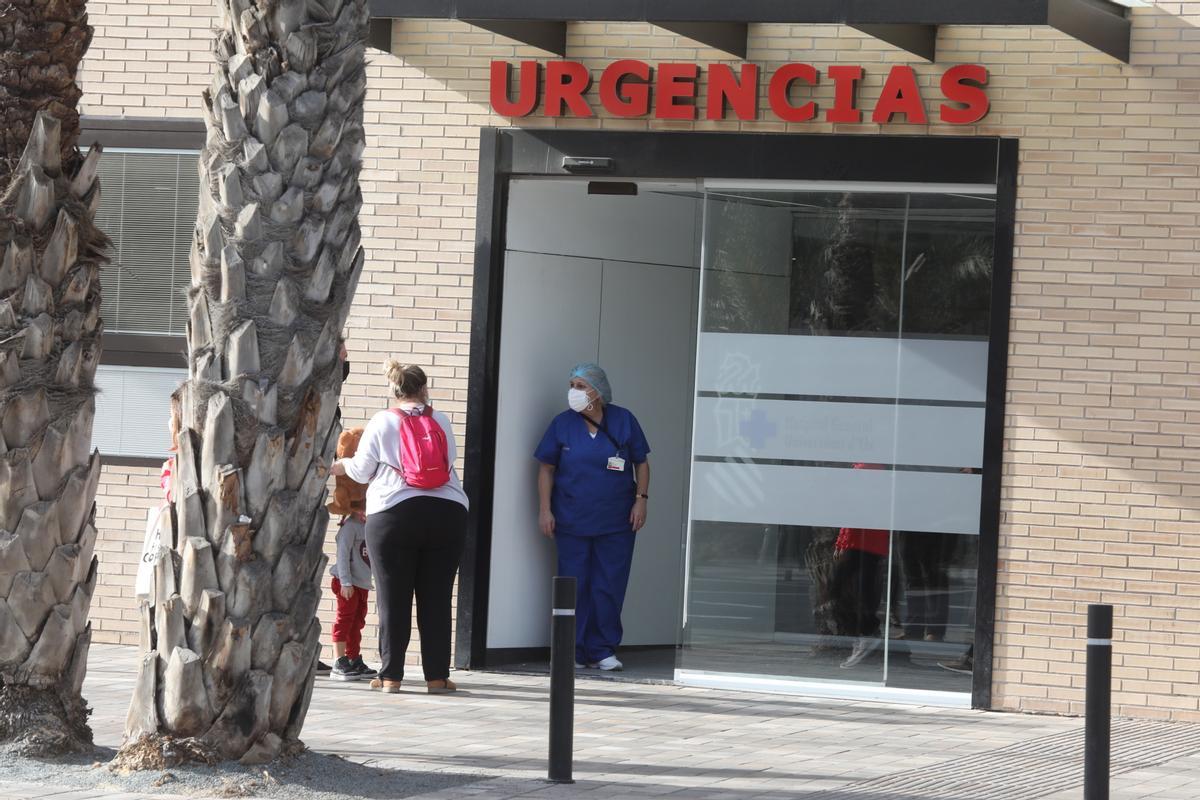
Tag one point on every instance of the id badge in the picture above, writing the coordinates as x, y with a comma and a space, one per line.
616, 464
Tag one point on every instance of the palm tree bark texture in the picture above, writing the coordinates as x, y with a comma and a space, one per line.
41, 45
50, 331
230, 641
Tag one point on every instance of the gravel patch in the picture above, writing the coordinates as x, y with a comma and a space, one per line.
309, 776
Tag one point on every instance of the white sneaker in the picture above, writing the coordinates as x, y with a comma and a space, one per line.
610, 664
863, 647
580, 666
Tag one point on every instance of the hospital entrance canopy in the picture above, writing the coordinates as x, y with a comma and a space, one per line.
911, 25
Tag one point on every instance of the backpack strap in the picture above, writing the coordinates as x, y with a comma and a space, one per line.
399, 412
426, 411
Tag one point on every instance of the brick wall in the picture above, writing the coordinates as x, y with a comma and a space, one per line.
1100, 477
122, 501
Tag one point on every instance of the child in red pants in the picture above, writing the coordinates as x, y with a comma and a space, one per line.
351, 587
351, 571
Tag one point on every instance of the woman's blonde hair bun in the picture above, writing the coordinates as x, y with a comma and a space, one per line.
406, 380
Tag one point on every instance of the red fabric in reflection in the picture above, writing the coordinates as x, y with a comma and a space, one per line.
868, 540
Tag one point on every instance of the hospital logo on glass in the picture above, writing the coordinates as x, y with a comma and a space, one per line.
758, 429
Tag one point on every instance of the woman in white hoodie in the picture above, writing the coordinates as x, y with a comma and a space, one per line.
416, 525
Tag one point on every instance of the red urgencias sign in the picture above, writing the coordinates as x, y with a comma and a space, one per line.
630, 88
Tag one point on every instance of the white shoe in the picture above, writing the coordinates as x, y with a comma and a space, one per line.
580, 666
610, 664
863, 647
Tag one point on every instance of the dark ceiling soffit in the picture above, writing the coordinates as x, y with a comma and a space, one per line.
379, 36
549, 36
920, 40
1102, 24
728, 37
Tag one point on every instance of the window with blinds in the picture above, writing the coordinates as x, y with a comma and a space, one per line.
132, 410
148, 207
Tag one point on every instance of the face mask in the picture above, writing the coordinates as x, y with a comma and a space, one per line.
345, 370
578, 400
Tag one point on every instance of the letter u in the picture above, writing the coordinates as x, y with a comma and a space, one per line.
528, 83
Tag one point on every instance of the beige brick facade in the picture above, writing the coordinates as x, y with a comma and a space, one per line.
1101, 491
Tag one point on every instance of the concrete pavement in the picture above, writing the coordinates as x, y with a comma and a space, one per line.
638, 741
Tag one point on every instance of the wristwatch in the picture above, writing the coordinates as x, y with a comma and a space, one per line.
643, 496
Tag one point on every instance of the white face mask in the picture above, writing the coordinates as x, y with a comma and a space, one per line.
578, 400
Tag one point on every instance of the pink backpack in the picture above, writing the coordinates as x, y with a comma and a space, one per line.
424, 453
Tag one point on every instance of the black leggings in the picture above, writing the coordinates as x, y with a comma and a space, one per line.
926, 557
415, 546
858, 591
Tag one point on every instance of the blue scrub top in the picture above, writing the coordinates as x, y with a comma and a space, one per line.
589, 499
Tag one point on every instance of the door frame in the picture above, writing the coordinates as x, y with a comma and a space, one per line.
507, 153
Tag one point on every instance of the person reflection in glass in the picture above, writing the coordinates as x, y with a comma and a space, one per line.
927, 584
858, 586
964, 664
926, 558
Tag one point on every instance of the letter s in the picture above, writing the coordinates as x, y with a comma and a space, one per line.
964, 84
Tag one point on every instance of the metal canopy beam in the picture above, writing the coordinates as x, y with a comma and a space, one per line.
550, 36
920, 40
379, 35
1094, 24
1102, 24
728, 37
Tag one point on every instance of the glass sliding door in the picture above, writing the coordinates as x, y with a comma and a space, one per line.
838, 433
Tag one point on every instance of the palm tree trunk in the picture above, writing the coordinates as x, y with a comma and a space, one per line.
232, 640
41, 45
50, 327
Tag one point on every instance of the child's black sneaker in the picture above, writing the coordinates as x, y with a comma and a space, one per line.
323, 668
362, 670
344, 670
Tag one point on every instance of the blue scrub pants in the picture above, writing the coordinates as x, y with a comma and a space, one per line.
600, 566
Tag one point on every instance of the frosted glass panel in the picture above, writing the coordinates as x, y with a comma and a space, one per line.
770, 494
924, 369
936, 436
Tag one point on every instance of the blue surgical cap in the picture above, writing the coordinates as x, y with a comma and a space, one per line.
593, 374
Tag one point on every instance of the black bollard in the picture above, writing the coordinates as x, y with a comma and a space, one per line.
562, 681
1097, 725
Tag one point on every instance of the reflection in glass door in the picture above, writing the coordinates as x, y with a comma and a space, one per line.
838, 433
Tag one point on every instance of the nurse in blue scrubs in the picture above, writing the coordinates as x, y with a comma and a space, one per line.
593, 485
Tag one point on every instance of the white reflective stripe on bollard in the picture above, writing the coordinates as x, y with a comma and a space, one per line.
1100, 642
564, 612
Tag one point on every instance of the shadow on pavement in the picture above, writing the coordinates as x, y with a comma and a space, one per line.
504, 763
309, 776
759, 706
